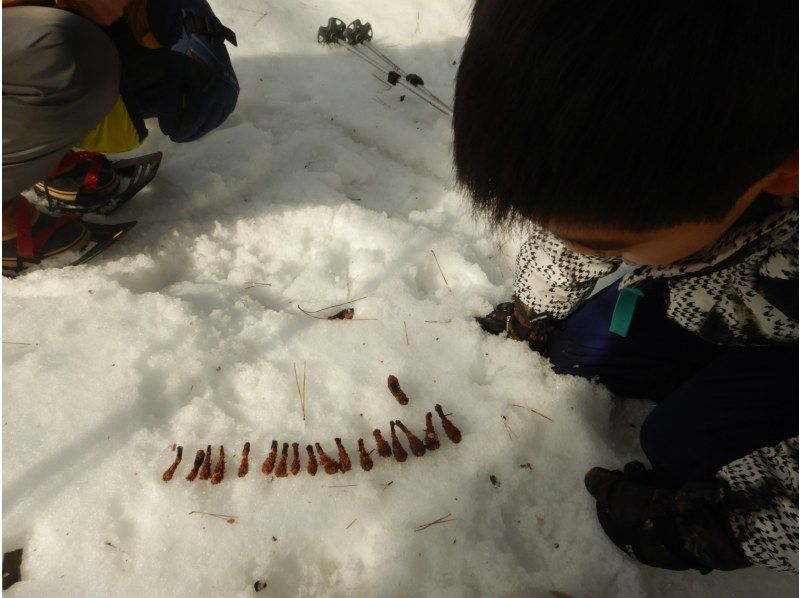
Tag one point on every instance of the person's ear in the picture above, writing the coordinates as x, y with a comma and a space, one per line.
783, 180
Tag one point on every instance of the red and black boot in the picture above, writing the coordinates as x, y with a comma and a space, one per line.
81, 180
85, 182
30, 236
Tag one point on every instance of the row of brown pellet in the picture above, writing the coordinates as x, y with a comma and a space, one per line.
280, 466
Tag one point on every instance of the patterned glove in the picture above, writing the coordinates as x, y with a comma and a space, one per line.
678, 530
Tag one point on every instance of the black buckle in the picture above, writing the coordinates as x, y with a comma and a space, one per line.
208, 25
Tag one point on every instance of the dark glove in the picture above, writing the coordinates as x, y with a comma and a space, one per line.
678, 530
199, 88
518, 324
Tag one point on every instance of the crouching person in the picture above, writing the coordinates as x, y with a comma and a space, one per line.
79, 79
658, 142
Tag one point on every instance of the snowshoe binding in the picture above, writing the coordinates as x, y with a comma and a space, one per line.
87, 182
34, 239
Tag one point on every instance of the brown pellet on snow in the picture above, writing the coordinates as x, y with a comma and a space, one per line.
295, 469
280, 470
311, 466
399, 452
199, 456
329, 465
453, 433
384, 450
219, 470
414, 443
397, 392
171, 469
366, 460
431, 439
269, 462
205, 469
344, 458
244, 466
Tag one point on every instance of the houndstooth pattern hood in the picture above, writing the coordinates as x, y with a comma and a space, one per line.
737, 291
761, 491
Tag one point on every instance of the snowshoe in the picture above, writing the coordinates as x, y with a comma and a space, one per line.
41, 240
87, 182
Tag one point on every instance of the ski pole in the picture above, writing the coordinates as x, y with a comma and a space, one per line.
334, 33
358, 33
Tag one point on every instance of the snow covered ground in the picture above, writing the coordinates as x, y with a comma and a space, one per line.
328, 188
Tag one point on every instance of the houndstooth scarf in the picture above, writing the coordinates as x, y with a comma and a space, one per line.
737, 291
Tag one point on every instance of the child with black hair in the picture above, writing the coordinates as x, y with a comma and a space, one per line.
657, 142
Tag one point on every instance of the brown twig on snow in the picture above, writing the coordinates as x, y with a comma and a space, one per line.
226, 518
366, 460
171, 470
511, 433
219, 470
205, 469
351, 523
397, 392
295, 458
311, 466
253, 284
399, 452
329, 465
316, 311
269, 462
344, 458
435, 522
453, 433
199, 456
441, 271
244, 466
301, 393
415, 444
405, 327
533, 411
280, 470
431, 439
384, 450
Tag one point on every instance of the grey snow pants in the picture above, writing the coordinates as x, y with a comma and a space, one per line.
60, 78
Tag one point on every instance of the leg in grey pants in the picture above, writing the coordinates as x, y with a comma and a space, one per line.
60, 78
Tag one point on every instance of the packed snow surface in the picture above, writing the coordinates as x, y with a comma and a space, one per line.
324, 186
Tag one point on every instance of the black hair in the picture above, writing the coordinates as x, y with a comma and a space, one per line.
635, 115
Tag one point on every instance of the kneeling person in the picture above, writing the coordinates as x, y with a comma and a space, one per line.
80, 82
659, 142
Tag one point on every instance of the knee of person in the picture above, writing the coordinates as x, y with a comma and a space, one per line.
88, 67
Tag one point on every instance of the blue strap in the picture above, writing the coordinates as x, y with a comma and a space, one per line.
623, 311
